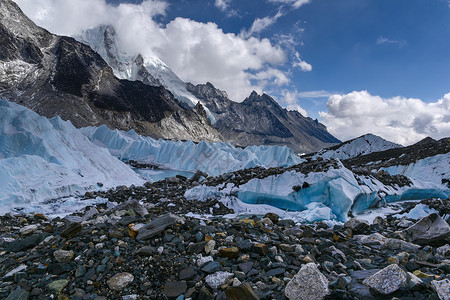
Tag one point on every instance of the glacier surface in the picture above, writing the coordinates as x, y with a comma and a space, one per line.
433, 169
43, 159
330, 195
212, 158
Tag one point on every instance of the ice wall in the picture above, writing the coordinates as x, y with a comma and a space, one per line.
212, 158
433, 169
42, 159
337, 190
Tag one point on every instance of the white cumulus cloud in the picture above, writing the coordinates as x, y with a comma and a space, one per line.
197, 52
398, 119
290, 99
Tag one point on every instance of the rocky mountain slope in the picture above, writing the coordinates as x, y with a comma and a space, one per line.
56, 75
259, 119
366, 144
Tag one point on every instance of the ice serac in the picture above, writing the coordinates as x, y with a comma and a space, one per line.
42, 159
327, 193
212, 158
59, 76
362, 145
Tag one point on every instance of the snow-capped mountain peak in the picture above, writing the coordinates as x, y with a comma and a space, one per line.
150, 70
362, 145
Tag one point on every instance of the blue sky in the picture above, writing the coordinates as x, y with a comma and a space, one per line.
389, 48
330, 59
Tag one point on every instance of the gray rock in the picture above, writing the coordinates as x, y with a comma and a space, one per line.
360, 275
211, 267
58, 285
132, 204
275, 272
246, 266
146, 251
414, 282
442, 288
63, 255
173, 289
187, 273
157, 226
26, 243
357, 226
431, 229
444, 250
308, 284
120, 281
18, 294
27, 230
387, 280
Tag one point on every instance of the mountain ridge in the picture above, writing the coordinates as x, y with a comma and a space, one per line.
236, 121
56, 75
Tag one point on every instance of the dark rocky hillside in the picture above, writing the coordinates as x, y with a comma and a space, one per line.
56, 75
259, 119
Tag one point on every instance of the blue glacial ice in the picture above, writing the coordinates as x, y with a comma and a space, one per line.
42, 159
336, 189
212, 158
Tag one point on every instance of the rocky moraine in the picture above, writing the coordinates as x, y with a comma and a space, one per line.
147, 246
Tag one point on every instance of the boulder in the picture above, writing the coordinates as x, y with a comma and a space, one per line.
157, 226
58, 285
357, 226
26, 243
442, 288
217, 279
120, 281
241, 292
429, 230
18, 294
387, 280
71, 230
308, 284
174, 289
63, 255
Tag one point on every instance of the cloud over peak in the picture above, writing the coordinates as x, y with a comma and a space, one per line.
197, 52
398, 119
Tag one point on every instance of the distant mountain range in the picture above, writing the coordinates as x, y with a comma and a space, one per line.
91, 81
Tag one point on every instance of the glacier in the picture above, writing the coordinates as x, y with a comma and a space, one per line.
212, 158
43, 159
330, 195
433, 169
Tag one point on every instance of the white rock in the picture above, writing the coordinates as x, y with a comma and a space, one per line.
28, 229
203, 260
308, 284
217, 279
442, 288
387, 280
120, 281
16, 270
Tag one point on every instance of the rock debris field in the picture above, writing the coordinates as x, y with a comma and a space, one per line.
152, 250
